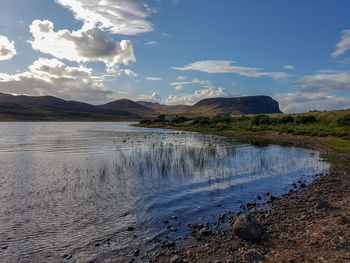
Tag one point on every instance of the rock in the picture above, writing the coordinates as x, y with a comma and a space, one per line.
303, 185
131, 228
272, 198
4, 248
205, 231
253, 255
258, 197
174, 217
230, 261
247, 228
136, 252
174, 229
167, 244
97, 244
176, 259
323, 205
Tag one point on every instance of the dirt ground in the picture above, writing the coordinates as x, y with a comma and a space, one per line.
309, 224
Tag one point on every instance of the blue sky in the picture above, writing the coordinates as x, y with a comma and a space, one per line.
178, 51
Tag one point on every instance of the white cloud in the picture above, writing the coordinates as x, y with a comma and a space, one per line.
87, 44
190, 99
151, 43
194, 81
223, 66
304, 102
7, 48
179, 87
325, 82
154, 78
127, 17
129, 73
288, 67
343, 45
181, 77
53, 77
187, 99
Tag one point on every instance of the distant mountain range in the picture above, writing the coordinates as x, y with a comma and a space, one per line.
52, 108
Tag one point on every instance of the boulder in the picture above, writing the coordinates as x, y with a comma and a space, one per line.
247, 228
253, 255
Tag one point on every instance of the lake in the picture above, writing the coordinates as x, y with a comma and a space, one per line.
95, 191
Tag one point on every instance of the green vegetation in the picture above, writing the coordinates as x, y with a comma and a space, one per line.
339, 145
334, 126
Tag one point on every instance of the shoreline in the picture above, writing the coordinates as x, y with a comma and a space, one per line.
310, 224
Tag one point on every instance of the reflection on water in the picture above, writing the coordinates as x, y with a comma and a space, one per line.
75, 188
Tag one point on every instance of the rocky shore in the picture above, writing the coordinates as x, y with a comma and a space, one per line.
308, 224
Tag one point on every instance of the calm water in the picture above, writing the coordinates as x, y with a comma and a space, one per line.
75, 188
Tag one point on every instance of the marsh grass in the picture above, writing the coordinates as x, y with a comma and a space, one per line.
330, 124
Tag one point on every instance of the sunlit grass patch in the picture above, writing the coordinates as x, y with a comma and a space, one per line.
339, 145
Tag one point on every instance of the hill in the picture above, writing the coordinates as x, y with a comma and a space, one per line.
166, 109
130, 106
52, 108
238, 105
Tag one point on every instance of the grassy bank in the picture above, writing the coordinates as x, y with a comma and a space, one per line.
333, 127
306, 225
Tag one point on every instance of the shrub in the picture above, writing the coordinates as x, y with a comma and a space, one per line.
161, 117
305, 119
286, 119
180, 119
260, 119
221, 119
202, 121
344, 121
146, 121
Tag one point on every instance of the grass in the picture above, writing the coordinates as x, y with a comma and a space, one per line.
339, 145
334, 126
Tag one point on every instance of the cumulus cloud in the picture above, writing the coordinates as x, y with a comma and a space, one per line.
53, 77
343, 45
304, 102
188, 98
179, 87
223, 66
7, 48
87, 44
288, 67
126, 17
151, 43
325, 81
154, 78
128, 72
194, 81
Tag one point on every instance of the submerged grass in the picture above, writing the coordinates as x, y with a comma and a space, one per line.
333, 126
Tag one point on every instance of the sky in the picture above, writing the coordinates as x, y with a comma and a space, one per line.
178, 51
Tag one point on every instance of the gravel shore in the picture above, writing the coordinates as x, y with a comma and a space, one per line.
308, 224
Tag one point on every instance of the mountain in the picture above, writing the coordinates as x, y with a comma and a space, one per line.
165, 109
130, 106
52, 108
238, 105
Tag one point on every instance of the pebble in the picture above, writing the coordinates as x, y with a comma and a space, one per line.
136, 252
131, 228
253, 255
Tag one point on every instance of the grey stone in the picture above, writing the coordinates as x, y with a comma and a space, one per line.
247, 228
